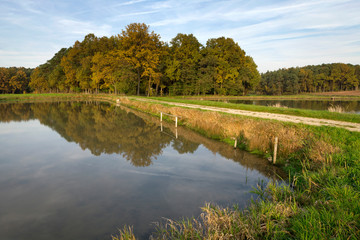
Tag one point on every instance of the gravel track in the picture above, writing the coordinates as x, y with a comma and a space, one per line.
355, 127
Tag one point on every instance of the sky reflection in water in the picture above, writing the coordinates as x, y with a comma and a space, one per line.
81, 171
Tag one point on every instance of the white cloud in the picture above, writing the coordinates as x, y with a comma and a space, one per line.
274, 33
82, 28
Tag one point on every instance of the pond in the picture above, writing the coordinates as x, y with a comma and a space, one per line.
347, 106
81, 170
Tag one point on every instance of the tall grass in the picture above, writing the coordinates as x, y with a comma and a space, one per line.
252, 134
336, 108
127, 233
277, 105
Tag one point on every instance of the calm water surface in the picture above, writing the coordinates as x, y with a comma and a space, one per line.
80, 171
348, 106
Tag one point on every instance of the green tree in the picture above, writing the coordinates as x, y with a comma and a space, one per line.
183, 65
18, 82
234, 72
4, 80
141, 50
38, 80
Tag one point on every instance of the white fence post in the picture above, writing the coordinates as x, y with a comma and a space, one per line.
275, 149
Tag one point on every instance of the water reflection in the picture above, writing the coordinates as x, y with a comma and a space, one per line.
106, 129
52, 189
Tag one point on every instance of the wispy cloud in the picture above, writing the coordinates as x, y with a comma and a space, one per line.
78, 27
275, 33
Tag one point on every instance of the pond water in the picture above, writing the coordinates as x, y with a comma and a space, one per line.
71, 170
348, 106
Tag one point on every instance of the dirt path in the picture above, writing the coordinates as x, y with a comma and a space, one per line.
355, 127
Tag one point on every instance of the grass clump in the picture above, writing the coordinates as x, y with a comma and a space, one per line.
336, 108
127, 233
265, 219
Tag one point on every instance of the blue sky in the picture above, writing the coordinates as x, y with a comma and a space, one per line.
277, 34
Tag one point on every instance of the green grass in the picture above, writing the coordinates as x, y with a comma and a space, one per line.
347, 117
322, 203
273, 97
34, 96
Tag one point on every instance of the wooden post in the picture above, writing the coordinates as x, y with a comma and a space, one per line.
176, 122
235, 144
160, 116
275, 149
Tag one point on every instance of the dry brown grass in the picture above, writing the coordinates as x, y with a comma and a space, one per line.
255, 134
277, 105
336, 108
320, 151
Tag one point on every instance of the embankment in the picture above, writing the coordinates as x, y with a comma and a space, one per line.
321, 200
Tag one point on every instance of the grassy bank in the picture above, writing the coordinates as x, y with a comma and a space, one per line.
346, 117
345, 95
321, 200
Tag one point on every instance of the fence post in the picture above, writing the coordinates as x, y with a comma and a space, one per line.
176, 122
235, 144
160, 116
275, 149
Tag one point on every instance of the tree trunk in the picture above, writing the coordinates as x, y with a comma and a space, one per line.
138, 87
149, 85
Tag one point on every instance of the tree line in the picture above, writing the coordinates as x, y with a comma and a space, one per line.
14, 80
310, 79
138, 62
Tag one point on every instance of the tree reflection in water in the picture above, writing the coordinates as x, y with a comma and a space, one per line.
105, 129
101, 128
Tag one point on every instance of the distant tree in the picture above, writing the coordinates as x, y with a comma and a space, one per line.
18, 82
4, 80
38, 79
319, 78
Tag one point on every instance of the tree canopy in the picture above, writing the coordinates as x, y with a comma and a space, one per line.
14, 80
136, 61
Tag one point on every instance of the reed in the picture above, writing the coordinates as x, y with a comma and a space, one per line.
126, 233
336, 108
277, 105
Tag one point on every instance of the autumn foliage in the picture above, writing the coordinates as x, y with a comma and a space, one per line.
138, 62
